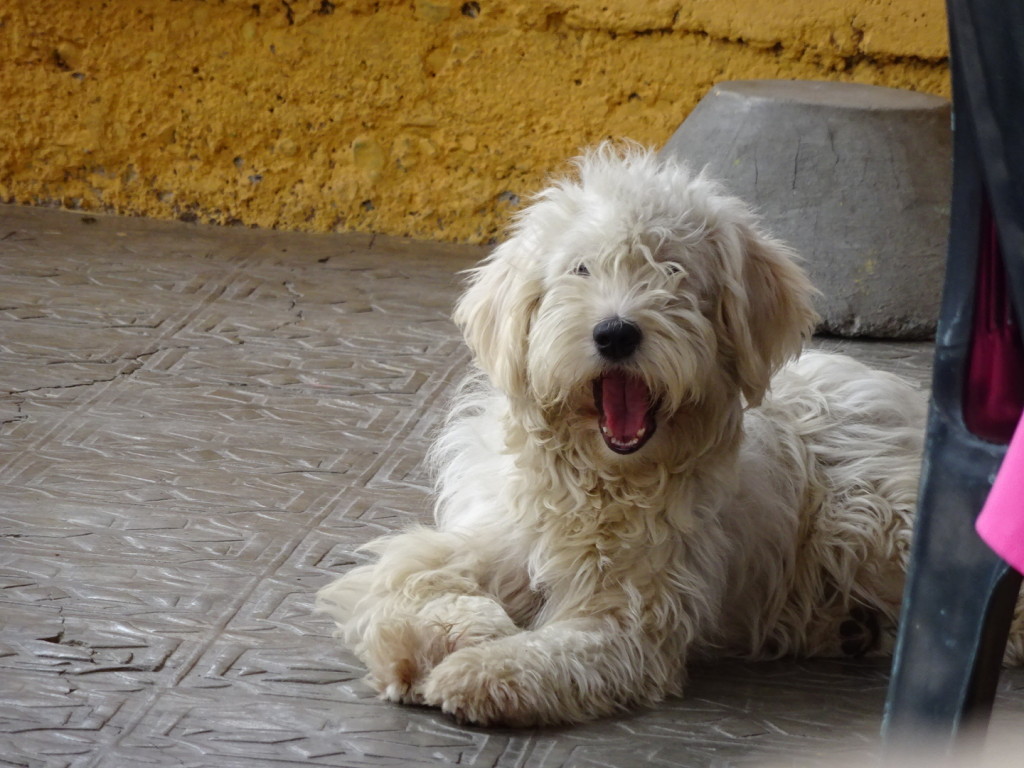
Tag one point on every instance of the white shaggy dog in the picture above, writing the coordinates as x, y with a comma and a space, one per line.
638, 476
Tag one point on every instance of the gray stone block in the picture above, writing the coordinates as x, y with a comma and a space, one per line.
855, 177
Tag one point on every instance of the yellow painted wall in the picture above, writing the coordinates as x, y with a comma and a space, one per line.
422, 117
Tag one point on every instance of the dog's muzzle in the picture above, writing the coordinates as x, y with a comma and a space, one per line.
624, 404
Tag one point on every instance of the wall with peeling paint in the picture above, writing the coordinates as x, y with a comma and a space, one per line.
429, 118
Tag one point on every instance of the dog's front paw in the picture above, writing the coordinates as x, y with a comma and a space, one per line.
399, 653
402, 650
482, 688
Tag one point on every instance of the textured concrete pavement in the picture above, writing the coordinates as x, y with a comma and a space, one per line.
198, 427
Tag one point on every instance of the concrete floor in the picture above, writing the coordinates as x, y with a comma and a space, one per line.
198, 426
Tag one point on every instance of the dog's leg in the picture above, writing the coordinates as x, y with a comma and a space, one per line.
422, 600
567, 671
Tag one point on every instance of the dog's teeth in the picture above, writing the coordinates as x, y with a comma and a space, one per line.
605, 430
640, 433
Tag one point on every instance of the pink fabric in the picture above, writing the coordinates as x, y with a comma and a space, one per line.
1001, 522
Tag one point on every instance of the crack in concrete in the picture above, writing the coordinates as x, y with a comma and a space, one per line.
111, 360
827, 56
136, 363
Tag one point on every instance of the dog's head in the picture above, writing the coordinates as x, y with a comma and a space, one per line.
631, 291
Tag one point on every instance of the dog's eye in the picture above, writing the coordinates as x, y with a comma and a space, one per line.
581, 269
672, 268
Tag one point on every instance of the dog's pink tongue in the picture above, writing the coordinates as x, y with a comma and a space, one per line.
625, 401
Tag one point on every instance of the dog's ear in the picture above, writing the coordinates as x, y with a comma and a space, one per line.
765, 310
495, 313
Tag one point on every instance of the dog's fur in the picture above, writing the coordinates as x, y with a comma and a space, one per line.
764, 508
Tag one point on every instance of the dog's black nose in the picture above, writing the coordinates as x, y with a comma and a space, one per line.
617, 338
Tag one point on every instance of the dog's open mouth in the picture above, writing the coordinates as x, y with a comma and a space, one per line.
625, 411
